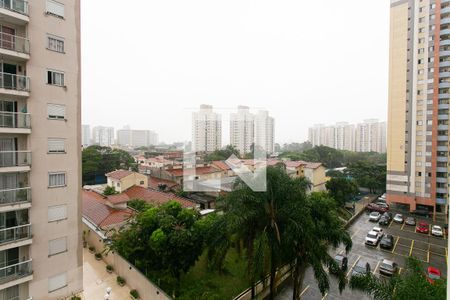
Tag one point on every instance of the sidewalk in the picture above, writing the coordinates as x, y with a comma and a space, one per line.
96, 280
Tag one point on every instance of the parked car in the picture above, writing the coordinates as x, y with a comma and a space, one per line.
410, 221
372, 238
437, 231
422, 227
433, 274
378, 230
374, 216
342, 262
387, 242
382, 204
388, 267
361, 268
375, 207
388, 214
398, 218
384, 221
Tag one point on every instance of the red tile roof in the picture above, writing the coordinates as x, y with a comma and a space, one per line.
154, 182
294, 163
221, 165
198, 171
118, 174
118, 198
96, 211
155, 197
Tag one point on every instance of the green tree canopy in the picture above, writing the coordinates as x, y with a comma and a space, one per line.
368, 175
222, 154
98, 160
341, 189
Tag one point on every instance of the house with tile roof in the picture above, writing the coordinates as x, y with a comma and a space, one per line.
314, 171
121, 180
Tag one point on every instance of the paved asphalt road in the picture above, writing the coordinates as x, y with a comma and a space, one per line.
428, 249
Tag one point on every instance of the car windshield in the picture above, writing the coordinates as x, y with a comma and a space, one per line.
372, 235
398, 216
375, 214
437, 228
387, 266
338, 259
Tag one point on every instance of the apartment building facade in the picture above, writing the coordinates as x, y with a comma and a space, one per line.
206, 130
264, 131
344, 136
103, 136
127, 137
370, 136
242, 130
419, 93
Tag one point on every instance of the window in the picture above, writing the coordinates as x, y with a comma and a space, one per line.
55, 8
428, 164
421, 20
56, 145
418, 163
57, 213
57, 179
418, 153
421, 40
57, 246
419, 123
431, 49
55, 43
430, 70
428, 153
56, 111
421, 50
420, 71
430, 122
57, 282
55, 78
432, 6
431, 59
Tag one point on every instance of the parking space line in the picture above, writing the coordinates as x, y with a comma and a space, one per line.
410, 250
400, 271
304, 290
326, 294
402, 226
395, 244
376, 267
357, 231
354, 264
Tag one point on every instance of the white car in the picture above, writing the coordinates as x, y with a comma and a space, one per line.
398, 218
373, 238
378, 230
374, 216
437, 230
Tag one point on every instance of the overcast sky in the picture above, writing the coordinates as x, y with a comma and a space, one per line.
148, 63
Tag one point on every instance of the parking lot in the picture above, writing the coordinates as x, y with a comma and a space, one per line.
430, 250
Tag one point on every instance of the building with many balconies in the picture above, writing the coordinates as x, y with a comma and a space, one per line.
40, 240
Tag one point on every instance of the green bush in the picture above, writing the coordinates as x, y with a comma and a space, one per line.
135, 294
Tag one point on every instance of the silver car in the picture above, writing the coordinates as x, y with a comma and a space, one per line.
398, 218
374, 216
388, 267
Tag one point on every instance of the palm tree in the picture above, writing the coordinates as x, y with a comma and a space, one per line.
411, 284
312, 231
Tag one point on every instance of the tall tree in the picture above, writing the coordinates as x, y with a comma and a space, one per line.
341, 189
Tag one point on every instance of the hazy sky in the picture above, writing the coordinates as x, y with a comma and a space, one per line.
148, 63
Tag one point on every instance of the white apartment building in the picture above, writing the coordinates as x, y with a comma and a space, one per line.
344, 136
40, 155
371, 136
127, 137
103, 136
86, 135
264, 131
242, 129
206, 129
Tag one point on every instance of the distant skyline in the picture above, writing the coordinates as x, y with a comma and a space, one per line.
275, 56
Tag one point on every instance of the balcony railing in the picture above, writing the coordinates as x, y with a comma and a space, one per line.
15, 271
19, 6
15, 158
15, 120
14, 43
16, 233
14, 82
14, 196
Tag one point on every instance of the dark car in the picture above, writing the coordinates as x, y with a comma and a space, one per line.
361, 268
388, 214
342, 262
410, 221
387, 242
375, 207
384, 220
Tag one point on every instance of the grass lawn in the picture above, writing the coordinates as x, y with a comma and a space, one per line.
343, 213
200, 283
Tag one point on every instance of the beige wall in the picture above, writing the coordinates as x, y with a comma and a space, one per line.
70, 162
128, 181
397, 88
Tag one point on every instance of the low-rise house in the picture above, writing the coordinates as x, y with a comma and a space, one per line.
315, 172
160, 184
122, 180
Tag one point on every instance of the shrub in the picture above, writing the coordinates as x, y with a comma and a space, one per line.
135, 294
75, 298
98, 255
92, 248
120, 280
109, 268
